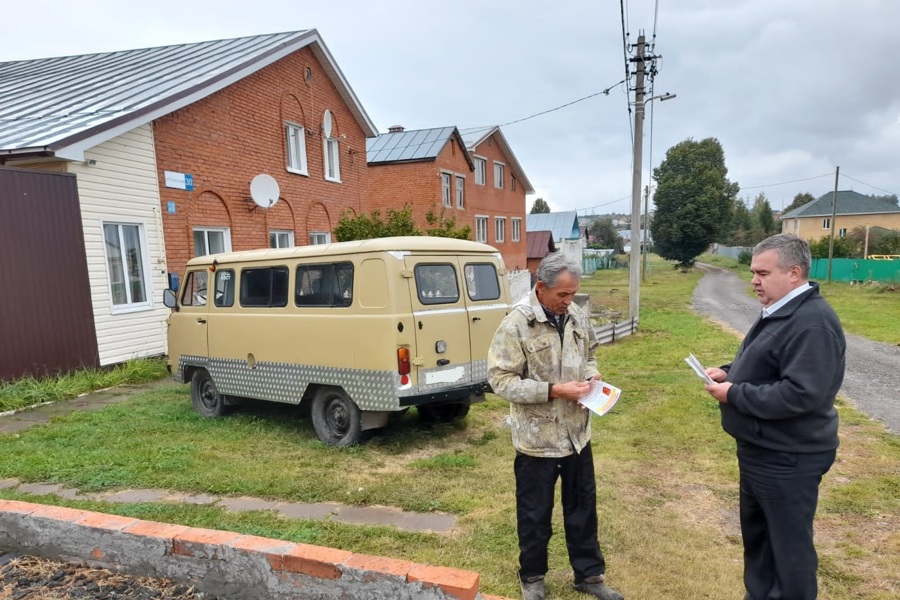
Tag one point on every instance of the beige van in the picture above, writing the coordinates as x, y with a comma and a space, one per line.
361, 329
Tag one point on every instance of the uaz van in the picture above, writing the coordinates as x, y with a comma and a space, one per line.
359, 329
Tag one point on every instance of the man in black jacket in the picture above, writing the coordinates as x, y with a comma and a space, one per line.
777, 401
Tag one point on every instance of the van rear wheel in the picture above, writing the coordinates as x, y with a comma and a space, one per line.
336, 418
443, 413
205, 397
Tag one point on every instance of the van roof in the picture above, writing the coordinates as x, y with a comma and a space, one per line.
436, 245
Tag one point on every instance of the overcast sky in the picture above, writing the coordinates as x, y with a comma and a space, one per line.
791, 89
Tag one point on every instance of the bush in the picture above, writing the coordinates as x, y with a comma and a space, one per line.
745, 257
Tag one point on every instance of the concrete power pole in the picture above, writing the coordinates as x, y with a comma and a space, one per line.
837, 172
634, 279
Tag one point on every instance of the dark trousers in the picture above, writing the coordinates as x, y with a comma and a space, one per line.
535, 486
779, 493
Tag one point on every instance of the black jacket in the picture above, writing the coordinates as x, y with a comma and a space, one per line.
786, 375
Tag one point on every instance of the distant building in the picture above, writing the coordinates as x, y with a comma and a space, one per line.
812, 221
565, 230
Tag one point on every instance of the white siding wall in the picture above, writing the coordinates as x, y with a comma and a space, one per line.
122, 186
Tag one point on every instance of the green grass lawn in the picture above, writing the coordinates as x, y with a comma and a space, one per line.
667, 477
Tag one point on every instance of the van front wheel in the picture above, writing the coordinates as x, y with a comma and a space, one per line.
336, 418
205, 397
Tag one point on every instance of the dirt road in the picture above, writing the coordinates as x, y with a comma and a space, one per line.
872, 378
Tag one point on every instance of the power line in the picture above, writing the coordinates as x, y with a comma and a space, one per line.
753, 187
627, 69
870, 185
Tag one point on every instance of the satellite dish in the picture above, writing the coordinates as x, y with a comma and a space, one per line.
326, 124
264, 190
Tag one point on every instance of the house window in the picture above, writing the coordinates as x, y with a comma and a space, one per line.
480, 168
211, 240
517, 230
498, 175
281, 239
499, 229
126, 261
445, 188
331, 149
481, 229
460, 192
319, 237
295, 137
842, 232
512, 183
826, 223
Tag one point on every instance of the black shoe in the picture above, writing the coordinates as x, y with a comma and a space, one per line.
533, 589
595, 586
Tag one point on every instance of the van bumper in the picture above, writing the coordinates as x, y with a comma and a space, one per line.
468, 394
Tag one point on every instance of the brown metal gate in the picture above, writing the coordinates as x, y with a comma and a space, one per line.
46, 316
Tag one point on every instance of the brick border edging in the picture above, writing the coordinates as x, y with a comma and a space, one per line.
223, 563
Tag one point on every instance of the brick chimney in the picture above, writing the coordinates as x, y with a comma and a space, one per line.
395, 128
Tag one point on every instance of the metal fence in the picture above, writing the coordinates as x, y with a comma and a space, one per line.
609, 333
856, 269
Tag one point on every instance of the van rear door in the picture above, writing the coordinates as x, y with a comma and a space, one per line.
486, 305
441, 358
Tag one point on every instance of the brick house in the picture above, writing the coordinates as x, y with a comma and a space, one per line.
165, 143
472, 177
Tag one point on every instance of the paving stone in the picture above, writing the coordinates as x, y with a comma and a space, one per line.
299, 510
129, 496
245, 504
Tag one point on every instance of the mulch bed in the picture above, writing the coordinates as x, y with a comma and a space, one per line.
31, 578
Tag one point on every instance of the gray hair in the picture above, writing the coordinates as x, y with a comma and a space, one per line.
554, 264
792, 252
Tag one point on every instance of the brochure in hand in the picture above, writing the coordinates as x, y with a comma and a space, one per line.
602, 397
698, 368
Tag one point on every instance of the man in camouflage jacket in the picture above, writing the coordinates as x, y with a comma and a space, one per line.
540, 360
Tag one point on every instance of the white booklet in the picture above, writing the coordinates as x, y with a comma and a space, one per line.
698, 368
602, 397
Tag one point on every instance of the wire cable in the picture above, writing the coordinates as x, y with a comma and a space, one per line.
868, 184
753, 187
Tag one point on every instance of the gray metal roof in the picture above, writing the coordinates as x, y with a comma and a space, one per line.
848, 203
62, 106
409, 146
564, 225
473, 137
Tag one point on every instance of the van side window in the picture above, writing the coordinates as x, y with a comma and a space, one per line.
436, 284
193, 292
324, 285
264, 286
481, 281
224, 288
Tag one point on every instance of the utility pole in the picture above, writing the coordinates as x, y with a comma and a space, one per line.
644, 250
837, 172
634, 263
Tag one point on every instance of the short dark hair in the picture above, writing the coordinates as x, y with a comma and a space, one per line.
792, 252
554, 264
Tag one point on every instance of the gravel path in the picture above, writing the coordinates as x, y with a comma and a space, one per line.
872, 378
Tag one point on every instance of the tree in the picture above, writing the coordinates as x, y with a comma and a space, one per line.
604, 234
762, 215
843, 247
694, 200
799, 200
741, 225
365, 227
540, 207
440, 225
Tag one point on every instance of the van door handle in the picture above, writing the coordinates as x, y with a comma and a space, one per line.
201, 321
443, 361
476, 318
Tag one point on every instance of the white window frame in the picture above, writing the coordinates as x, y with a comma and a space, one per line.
331, 151
319, 237
226, 238
499, 173
445, 188
500, 229
517, 229
842, 232
278, 236
480, 170
295, 152
460, 191
826, 223
129, 305
481, 225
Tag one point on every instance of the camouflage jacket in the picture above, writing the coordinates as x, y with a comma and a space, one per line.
525, 357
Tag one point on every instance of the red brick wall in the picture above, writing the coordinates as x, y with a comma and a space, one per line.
226, 139
419, 184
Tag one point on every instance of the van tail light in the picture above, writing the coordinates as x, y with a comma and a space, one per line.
403, 364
